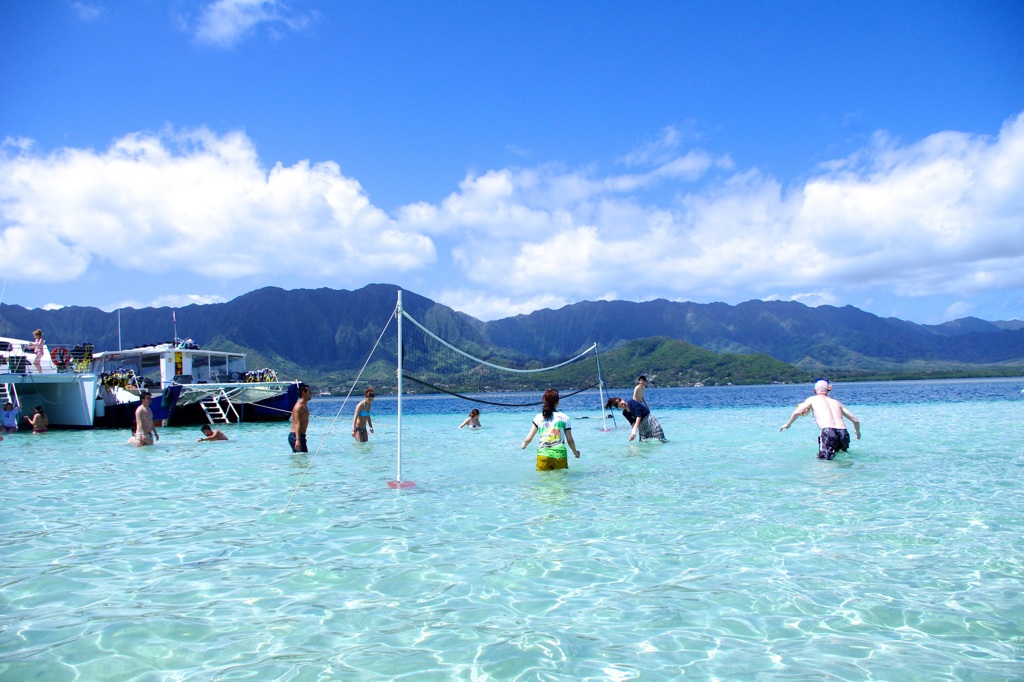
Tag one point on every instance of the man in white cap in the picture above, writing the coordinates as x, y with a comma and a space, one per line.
829, 413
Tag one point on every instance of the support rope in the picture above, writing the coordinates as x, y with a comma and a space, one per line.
335, 419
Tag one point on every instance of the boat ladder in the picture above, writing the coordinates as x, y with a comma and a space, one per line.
8, 394
213, 406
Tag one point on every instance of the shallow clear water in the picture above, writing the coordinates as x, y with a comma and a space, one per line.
729, 552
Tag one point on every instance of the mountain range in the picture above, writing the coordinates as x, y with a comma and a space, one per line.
331, 333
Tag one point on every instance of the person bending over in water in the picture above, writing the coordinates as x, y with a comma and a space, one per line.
362, 419
644, 423
300, 420
829, 413
473, 420
555, 432
209, 433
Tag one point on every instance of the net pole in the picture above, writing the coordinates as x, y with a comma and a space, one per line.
400, 368
398, 482
600, 390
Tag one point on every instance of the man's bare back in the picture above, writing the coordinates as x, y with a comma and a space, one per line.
828, 412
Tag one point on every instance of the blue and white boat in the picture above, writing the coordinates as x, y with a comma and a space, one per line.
190, 385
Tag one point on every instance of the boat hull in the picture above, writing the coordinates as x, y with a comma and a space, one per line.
68, 399
249, 402
118, 409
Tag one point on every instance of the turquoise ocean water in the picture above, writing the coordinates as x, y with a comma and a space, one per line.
729, 552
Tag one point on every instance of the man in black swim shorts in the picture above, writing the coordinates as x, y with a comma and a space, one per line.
831, 441
829, 413
300, 420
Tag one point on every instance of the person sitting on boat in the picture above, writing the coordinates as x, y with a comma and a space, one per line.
145, 429
39, 420
209, 433
9, 418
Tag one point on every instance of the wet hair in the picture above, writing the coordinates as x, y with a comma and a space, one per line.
550, 403
369, 391
474, 412
304, 387
39, 409
206, 427
612, 402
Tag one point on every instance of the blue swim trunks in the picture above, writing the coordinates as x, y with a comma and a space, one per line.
302, 443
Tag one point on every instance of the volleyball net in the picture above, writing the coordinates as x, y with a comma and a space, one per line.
492, 377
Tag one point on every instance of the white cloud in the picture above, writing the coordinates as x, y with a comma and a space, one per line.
224, 23
87, 11
192, 202
943, 215
939, 216
182, 300
958, 310
488, 307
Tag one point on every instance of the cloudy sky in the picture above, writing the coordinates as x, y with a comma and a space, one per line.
500, 157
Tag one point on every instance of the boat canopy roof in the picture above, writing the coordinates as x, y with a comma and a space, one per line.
163, 349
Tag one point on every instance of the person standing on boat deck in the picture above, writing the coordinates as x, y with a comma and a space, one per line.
555, 433
829, 413
36, 347
362, 419
209, 433
145, 429
638, 391
9, 418
636, 413
300, 420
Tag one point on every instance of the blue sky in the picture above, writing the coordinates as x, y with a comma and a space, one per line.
503, 157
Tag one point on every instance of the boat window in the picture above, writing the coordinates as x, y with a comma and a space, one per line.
151, 369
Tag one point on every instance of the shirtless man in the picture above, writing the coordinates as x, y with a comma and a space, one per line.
638, 391
145, 430
829, 413
209, 433
300, 420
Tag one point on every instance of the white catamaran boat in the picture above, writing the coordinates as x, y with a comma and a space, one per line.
65, 388
189, 386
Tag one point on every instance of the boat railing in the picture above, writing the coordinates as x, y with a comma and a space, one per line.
18, 358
